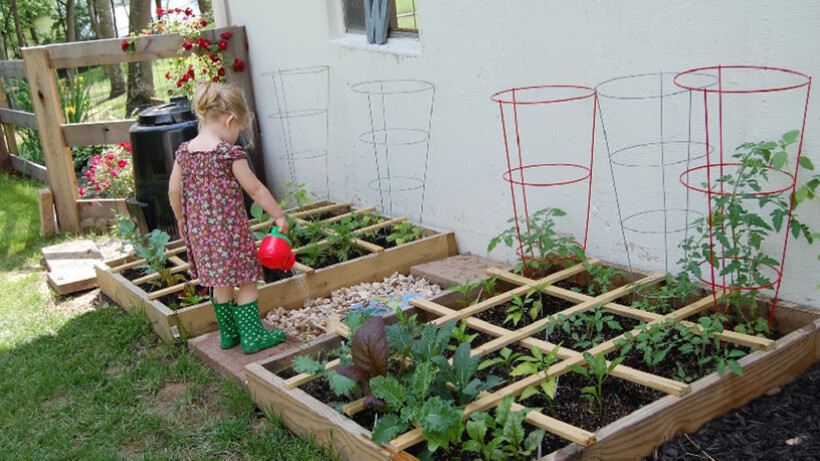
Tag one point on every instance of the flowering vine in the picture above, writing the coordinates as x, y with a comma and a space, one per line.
199, 60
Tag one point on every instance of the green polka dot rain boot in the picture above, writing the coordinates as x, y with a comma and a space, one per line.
253, 335
228, 332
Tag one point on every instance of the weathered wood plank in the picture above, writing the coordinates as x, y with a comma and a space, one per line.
107, 208
8, 130
30, 169
18, 118
13, 68
94, 133
49, 114
131, 298
45, 203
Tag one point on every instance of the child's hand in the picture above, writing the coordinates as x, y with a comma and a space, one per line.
282, 223
181, 224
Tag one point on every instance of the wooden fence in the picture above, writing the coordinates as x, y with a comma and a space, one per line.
38, 66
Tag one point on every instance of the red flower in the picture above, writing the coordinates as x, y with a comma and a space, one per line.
81, 191
177, 10
215, 79
125, 45
226, 35
238, 65
99, 187
223, 45
203, 22
188, 11
126, 146
205, 43
184, 78
214, 58
221, 71
168, 75
160, 11
179, 83
204, 70
122, 163
114, 173
187, 44
191, 73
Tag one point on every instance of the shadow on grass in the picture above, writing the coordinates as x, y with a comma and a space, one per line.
102, 387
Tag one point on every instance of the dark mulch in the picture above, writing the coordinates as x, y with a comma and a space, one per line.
785, 426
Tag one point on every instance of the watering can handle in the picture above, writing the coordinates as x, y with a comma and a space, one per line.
274, 232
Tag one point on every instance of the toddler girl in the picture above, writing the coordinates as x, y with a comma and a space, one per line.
206, 186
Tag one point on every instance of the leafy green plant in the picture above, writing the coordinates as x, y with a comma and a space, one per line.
340, 385
538, 362
307, 234
585, 328
190, 297
260, 216
665, 298
465, 289
597, 373
150, 247
696, 342
530, 305
506, 358
487, 287
700, 342
507, 435
74, 99
314, 255
404, 232
297, 195
540, 241
738, 227
423, 398
461, 336
369, 353
601, 276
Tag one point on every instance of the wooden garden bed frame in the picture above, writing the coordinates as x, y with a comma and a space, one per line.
684, 409
289, 293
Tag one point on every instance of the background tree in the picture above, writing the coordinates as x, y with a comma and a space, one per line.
106, 29
140, 76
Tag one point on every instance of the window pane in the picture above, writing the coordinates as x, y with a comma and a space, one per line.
354, 15
407, 15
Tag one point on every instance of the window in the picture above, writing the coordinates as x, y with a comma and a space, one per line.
403, 16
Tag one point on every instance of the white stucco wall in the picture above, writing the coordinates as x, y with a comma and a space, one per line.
470, 49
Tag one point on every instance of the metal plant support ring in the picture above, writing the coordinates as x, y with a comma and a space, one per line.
400, 113
737, 86
540, 157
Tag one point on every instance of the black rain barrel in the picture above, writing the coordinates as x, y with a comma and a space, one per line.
154, 138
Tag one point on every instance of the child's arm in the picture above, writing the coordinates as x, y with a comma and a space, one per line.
259, 193
175, 197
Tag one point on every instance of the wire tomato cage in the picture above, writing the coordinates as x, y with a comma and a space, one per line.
542, 156
747, 102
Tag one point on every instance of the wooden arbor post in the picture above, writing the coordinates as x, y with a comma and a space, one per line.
57, 156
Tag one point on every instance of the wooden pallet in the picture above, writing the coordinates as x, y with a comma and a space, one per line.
685, 408
289, 293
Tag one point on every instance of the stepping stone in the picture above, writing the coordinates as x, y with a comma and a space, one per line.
456, 270
230, 363
71, 265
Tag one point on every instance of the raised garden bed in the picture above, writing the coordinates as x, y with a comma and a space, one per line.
287, 289
640, 409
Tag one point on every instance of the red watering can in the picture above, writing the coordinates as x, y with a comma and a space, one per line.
275, 251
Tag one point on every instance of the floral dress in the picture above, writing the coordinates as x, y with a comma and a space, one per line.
221, 249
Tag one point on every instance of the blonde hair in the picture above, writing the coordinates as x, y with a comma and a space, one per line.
212, 100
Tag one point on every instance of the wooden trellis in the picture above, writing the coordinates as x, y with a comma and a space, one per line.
56, 136
284, 395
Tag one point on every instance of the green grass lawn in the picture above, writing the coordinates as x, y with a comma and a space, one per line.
84, 380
